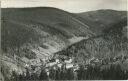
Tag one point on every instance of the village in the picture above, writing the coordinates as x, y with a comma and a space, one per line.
35, 65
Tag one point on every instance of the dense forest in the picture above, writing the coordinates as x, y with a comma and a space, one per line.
90, 73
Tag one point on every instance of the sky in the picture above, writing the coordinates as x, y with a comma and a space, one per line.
68, 5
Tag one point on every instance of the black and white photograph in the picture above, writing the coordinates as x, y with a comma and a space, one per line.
63, 40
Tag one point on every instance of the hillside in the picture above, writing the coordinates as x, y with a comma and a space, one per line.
102, 19
53, 27
33, 34
111, 44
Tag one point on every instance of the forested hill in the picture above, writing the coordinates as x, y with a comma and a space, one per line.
44, 27
102, 19
111, 43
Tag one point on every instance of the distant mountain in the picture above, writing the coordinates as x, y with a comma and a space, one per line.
102, 19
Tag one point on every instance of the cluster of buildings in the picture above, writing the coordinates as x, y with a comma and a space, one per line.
37, 64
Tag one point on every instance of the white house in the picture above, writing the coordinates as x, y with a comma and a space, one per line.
68, 61
68, 66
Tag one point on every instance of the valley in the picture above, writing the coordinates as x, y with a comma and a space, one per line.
37, 40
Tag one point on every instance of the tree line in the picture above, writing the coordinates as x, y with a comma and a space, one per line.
114, 72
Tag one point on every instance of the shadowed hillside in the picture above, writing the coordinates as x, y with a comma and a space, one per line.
102, 19
47, 27
112, 43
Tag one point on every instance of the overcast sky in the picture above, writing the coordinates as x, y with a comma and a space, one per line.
69, 5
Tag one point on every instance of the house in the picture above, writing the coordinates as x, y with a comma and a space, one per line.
57, 61
69, 65
68, 61
59, 65
51, 64
26, 65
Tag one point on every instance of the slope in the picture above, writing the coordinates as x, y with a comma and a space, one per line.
31, 35
100, 19
111, 44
